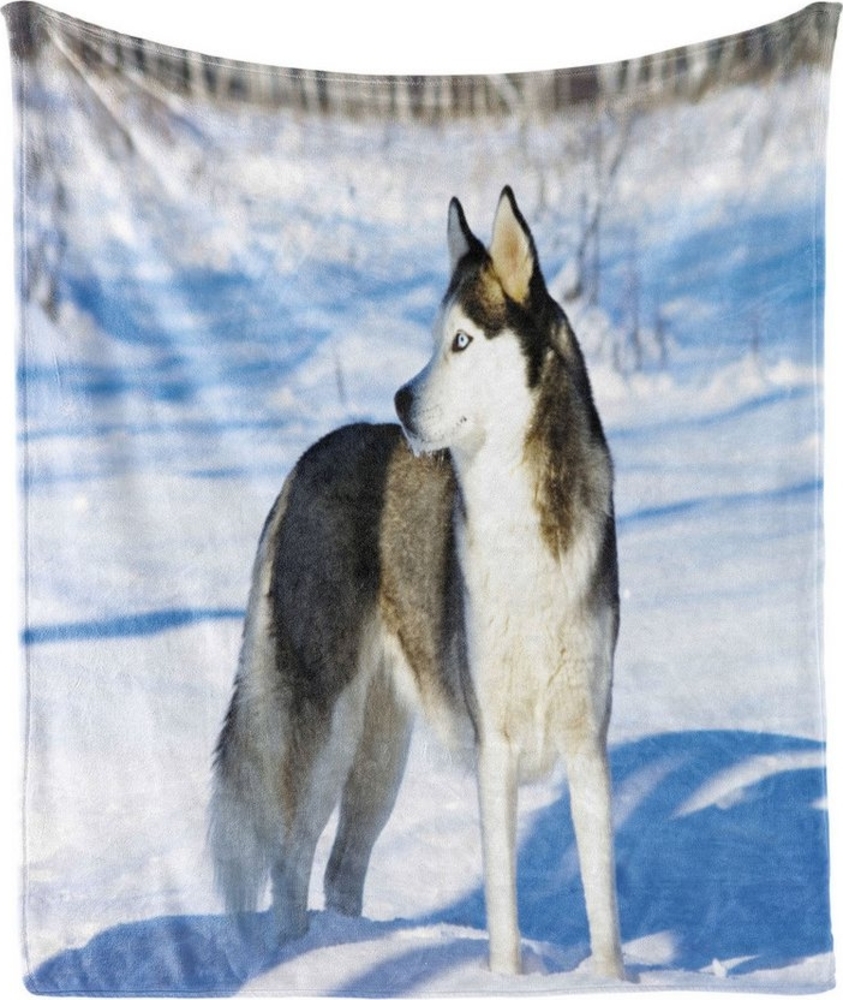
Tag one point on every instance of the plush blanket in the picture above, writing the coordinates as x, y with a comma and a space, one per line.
218, 264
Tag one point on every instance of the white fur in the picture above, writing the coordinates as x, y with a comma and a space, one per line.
540, 659
459, 393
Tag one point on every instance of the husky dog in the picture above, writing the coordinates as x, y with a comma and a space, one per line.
464, 563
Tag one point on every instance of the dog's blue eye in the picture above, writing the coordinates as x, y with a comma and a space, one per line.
461, 341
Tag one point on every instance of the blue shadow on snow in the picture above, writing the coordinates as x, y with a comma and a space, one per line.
744, 876
143, 623
740, 876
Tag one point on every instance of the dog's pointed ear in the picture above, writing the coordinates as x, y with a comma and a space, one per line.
512, 249
461, 240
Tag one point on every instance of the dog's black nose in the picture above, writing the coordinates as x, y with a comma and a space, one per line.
404, 405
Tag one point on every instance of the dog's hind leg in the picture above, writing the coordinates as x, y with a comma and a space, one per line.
318, 761
290, 875
369, 794
318, 790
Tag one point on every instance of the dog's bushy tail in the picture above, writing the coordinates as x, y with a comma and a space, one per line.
246, 820
237, 832
247, 817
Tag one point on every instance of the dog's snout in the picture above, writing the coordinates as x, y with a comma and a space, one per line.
404, 405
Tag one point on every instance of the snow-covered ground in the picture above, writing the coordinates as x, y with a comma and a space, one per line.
237, 283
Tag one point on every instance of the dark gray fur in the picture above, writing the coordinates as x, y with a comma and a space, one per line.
360, 538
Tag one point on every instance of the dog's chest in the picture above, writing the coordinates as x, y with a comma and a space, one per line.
532, 645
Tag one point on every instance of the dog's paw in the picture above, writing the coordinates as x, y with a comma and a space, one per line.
609, 968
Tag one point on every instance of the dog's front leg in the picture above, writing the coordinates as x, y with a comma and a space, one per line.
591, 809
498, 789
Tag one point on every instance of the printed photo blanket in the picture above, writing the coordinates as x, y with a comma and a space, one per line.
220, 263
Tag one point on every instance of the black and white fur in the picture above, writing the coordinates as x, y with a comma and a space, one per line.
467, 566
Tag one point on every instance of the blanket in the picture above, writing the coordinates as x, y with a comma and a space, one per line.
218, 264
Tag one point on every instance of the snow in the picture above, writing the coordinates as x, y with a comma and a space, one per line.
228, 308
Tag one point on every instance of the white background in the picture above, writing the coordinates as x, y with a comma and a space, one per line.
385, 36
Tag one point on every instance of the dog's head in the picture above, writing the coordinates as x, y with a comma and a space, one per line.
495, 327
